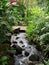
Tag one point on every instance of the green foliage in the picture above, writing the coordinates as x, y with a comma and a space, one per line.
10, 15
39, 32
45, 44
47, 6
34, 13
45, 38
31, 28
38, 29
36, 22
4, 60
46, 63
5, 22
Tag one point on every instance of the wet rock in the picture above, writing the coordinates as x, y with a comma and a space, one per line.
34, 57
21, 42
23, 46
15, 50
26, 53
17, 63
14, 46
14, 42
17, 38
28, 49
18, 50
16, 29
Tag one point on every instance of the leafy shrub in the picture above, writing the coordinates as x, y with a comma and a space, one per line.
10, 15
4, 60
47, 7
5, 22
36, 22
31, 31
45, 63
45, 38
38, 29
45, 44
34, 13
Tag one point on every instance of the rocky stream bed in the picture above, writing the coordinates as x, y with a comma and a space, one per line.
23, 53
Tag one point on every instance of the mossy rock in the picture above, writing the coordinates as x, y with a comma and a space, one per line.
34, 57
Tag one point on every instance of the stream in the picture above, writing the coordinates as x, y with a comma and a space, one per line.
25, 54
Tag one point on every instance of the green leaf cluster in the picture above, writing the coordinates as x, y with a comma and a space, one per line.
38, 29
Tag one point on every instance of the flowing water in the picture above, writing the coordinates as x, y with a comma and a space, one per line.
27, 50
